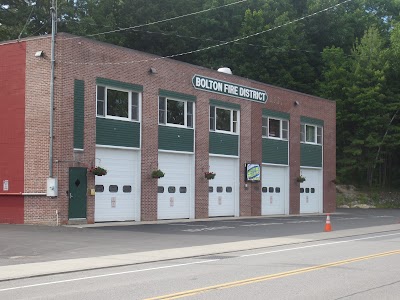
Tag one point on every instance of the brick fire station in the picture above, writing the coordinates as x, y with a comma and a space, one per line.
272, 150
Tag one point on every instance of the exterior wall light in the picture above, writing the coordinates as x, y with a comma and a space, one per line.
39, 53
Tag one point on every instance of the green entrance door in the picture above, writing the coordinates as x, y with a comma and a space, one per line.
77, 193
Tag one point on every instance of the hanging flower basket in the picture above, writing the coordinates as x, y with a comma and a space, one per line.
157, 174
301, 178
209, 175
98, 171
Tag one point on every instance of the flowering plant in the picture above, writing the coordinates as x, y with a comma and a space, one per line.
157, 174
98, 171
209, 175
301, 178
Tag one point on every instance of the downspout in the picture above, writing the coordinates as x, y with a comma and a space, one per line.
53, 36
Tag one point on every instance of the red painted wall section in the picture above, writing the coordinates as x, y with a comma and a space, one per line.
12, 131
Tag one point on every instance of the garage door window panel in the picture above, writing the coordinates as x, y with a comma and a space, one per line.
113, 188
127, 188
99, 188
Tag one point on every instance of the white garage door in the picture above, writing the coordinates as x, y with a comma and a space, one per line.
311, 191
175, 189
274, 190
117, 193
223, 188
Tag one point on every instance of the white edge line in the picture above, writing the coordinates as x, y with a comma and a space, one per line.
318, 245
106, 275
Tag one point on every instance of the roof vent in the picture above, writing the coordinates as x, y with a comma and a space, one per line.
225, 70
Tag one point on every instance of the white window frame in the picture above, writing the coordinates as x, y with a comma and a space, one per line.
165, 123
130, 92
303, 133
281, 130
231, 131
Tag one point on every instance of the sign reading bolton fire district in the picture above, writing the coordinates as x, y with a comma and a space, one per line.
229, 89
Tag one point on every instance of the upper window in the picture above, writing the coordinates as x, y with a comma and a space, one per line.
311, 134
117, 104
275, 128
223, 119
175, 112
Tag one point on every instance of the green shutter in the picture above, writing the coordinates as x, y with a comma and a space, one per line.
117, 133
275, 151
312, 121
311, 155
224, 104
79, 112
181, 96
119, 84
276, 114
176, 139
225, 144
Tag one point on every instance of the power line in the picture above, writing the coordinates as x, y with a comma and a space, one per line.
44, 24
223, 43
26, 23
219, 41
161, 21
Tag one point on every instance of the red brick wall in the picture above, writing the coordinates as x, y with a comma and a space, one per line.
12, 126
38, 209
256, 155
84, 59
202, 164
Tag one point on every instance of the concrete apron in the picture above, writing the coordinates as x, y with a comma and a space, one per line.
81, 264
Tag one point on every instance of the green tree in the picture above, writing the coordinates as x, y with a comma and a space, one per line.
360, 86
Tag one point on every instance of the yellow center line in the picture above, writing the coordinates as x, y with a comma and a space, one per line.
272, 276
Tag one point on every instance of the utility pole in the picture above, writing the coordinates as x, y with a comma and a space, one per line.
53, 37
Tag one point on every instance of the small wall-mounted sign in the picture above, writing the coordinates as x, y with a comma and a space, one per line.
5, 185
252, 172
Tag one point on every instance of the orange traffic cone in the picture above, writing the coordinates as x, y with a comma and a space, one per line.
328, 226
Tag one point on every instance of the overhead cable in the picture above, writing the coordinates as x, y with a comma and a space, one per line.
220, 44
161, 21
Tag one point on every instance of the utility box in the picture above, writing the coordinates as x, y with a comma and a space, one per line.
52, 187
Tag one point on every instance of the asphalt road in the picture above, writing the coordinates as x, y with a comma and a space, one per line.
356, 267
22, 244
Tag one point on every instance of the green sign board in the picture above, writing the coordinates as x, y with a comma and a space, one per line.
229, 89
253, 172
